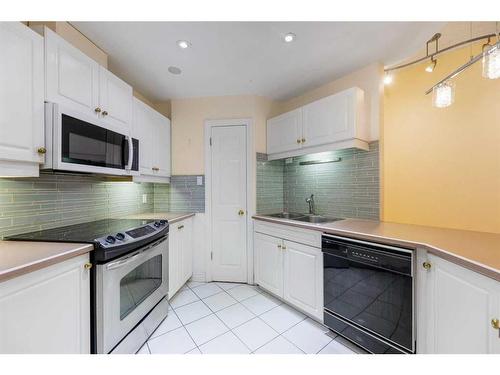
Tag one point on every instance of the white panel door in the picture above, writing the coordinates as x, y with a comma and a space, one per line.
72, 78
303, 278
229, 203
47, 311
161, 139
329, 120
115, 100
269, 263
461, 307
143, 130
21, 93
284, 132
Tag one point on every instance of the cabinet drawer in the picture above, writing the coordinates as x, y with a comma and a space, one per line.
289, 233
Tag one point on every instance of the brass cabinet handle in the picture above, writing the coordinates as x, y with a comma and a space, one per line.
426, 265
104, 113
87, 266
97, 110
41, 150
495, 323
180, 227
303, 140
241, 212
155, 169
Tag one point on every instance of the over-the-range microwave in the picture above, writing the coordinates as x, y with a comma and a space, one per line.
79, 142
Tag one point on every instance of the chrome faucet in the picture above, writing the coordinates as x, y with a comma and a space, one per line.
310, 201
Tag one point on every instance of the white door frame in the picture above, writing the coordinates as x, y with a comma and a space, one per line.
209, 124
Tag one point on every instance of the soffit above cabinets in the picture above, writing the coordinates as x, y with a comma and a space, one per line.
248, 58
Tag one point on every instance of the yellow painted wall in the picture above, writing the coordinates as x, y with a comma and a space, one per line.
441, 167
189, 115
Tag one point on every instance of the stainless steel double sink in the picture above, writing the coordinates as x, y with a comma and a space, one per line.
307, 218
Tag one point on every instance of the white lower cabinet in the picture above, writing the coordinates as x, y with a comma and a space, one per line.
458, 308
290, 270
303, 278
180, 258
48, 310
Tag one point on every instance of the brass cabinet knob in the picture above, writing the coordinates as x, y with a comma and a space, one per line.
279, 246
283, 247
97, 110
303, 140
495, 323
426, 265
41, 150
241, 212
298, 140
87, 266
155, 169
104, 113
180, 227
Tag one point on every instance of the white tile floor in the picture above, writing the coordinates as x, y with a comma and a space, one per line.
226, 318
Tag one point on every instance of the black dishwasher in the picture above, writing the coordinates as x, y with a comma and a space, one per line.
369, 294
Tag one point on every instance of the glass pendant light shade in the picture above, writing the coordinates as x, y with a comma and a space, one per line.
491, 62
443, 95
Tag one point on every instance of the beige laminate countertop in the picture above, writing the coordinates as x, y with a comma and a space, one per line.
171, 217
20, 257
478, 251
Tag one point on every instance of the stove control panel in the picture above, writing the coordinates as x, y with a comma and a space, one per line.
132, 234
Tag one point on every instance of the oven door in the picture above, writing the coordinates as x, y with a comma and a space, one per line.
82, 143
368, 295
127, 289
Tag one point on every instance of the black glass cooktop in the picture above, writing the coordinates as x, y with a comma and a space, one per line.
84, 232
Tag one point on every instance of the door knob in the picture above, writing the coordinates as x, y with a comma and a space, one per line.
41, 150
426, 265
495, 323
241, 212
97, 110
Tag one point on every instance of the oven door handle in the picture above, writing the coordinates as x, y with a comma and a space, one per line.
130, 153
122, 262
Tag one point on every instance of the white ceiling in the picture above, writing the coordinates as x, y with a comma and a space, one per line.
237, 58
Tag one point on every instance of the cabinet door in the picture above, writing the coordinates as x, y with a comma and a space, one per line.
115, 100
185, 228
269, 263
303, 278
162, 145
142, 129
21, 95
461, 304
174, 273
284, 132
47, 311
330, 119
72, 78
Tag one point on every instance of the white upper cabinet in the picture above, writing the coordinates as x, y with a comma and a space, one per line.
153, 131
72, 78
333, 122
21, 98
284, 132
115, 99
76, 80
459, 308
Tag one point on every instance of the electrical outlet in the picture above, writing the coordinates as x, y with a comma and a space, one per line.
144, 198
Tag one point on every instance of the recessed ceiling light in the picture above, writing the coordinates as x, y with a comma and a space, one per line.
289, 37
174, 70
183, 44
